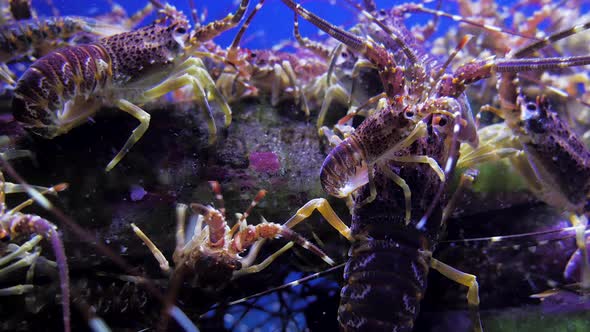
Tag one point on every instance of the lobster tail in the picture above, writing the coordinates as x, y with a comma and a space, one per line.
386, 280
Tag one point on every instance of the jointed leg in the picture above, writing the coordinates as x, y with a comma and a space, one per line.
334, 92
497, 142
247, 269
16, 290
246, 237
324, 208
581, 223
299, 95
332, 138
215, 28
27, 260
405, 188
136, 134
192, 72
356, 71
7, 76
14, 154
416, 133
241, 221
139, 16
465, 279
23, 249
180, 220
484, 157
279, 79
462, 278
364, 108
424, 160
164, 265
40, 191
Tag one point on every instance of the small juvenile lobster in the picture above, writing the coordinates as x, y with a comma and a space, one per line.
212, 255
426, 116
63, 89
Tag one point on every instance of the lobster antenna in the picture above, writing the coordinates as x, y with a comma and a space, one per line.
235, 45
411, 7
402, 44
216, 187
157, 4
539, 44
284, 286
255, 201
194, 16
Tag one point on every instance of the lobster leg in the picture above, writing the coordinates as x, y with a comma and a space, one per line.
423, 160
359, 65
416, 133
298, 91
405, 188
28, 260
6, 75
24, 248
457, 276
581, 223
180, 222
16, 290
164, 265
136, 134
262, 265
322, 205
192, 73
215, 28
465, 279
333, 92
14, 154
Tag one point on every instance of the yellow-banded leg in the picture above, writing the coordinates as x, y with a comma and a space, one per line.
25, 259
191, 72
248, 268
325, 209
464, 279
334, 92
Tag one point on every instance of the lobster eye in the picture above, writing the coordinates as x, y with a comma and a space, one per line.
442, 121
531, 107
181, 30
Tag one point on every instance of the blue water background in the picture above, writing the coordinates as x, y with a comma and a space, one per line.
273, 24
